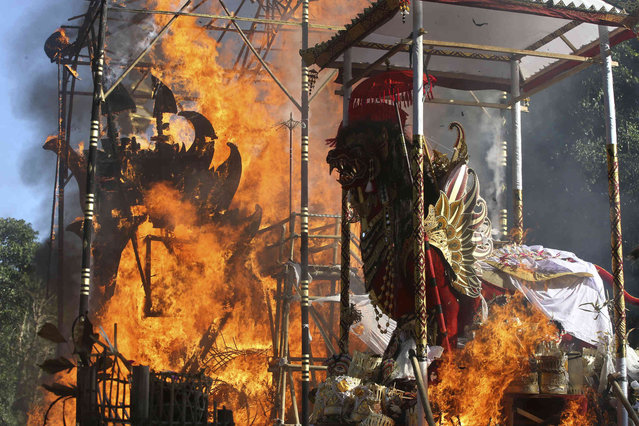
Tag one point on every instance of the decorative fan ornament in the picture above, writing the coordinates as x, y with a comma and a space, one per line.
449, 229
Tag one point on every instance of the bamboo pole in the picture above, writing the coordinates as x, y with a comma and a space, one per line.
304, 225
228, 17
284, 350
418, 181
621, 397
146, 50
89, 202
345, 303
508, 50
84, 406
63, 155
419, 234
293, 397
323, 85
422, 390
259, 58
616, 240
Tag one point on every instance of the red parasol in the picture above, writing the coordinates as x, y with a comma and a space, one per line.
371, 112
389, 87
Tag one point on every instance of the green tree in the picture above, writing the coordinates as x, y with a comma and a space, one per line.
565, 172
23, 309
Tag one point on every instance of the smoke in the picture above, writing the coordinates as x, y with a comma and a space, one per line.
560, 209
484, 129
32, 97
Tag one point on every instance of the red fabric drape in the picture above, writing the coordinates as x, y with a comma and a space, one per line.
609, 279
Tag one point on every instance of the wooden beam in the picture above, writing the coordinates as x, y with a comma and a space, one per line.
392, 51
550, 82
553, 35
522, 52
529, 416
470, 103
568, 43
583, 49
518, 53
322, 86
436, 52
247, 42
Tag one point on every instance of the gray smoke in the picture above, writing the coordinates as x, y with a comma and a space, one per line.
34, 100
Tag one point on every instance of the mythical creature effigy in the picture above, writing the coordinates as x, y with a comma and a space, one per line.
464, 268
370, 158
126, 171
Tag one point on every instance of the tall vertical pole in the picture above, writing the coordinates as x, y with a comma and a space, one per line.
615, 220
515, 113
503, 196
419, 234
306, 343
89, 202
418, 180
290, 169
85, 405
503, 199
63, 153
345, 302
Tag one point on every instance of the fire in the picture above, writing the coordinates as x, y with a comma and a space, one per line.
62, 38
200, 283
472, 382
575, 415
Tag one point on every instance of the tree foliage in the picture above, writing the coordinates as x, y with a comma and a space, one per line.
588, 128
566, 199
23, 309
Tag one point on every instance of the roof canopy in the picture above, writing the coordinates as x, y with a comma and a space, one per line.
468, 44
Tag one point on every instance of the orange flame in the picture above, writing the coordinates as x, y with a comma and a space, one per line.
197, 283
474, 380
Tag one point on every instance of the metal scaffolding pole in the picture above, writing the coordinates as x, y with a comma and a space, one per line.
306, 343
515, 113
615, 221
89, 202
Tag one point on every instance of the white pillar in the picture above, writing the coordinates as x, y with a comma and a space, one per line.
515, 112
418, 69
619, 319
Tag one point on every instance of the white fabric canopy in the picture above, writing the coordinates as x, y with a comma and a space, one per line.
577, 302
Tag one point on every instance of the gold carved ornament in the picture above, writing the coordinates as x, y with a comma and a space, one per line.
449, 229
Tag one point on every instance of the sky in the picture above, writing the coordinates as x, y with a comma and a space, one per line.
28, 114
28, 110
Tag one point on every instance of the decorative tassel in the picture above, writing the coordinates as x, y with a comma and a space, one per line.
369, 187
404, 7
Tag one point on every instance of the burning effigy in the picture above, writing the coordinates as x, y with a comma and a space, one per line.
189, 246
510, 323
